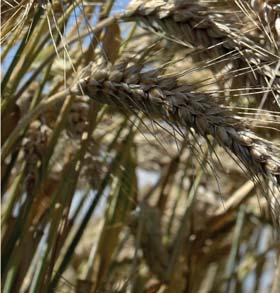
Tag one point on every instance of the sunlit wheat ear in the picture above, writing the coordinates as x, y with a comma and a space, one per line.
215, 28
266, 17
125, 86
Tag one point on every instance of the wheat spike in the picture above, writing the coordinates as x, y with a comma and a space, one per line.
124, 85
213, 26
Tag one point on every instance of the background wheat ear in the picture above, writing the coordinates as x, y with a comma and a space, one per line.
252, 52
140, 146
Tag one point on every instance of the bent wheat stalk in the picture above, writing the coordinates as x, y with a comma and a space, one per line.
124, 85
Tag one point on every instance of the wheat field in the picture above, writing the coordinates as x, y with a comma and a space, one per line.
140, 146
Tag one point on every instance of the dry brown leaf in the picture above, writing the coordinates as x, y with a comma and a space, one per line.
112, 41
43, 199
9, 122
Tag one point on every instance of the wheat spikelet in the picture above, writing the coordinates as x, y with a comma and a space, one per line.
125, 86
77, 118
34, 146
213, 26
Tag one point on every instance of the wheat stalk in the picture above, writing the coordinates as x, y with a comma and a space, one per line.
157, 96
218, 27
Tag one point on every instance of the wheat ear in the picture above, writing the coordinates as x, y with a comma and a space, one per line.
214, 27
124, 85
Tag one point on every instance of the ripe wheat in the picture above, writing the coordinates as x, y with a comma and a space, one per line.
126, 86
221, 29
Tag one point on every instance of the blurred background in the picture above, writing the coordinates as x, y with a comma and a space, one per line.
98, 199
